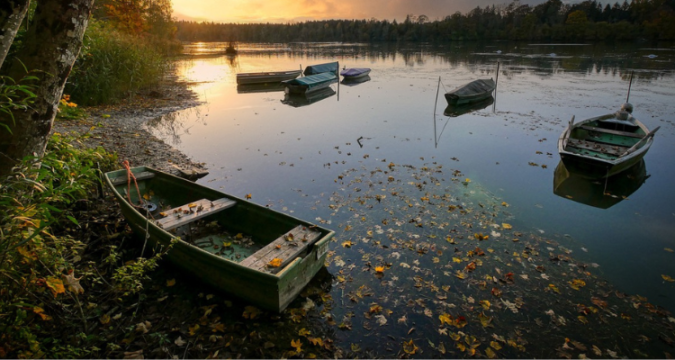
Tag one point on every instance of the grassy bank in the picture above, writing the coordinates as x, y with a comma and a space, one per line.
113, 65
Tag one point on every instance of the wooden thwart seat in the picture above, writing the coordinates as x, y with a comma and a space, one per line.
613, 132
285, 248
614, 150
195, 210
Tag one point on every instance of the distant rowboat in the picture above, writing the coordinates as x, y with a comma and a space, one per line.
266, 77
311, 83
355, 73
474, 91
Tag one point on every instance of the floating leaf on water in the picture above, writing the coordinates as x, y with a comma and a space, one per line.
576, 284
248, 196
297, 344
379, 269
485, 304
495, 345
668, 249
347, 244
553, 287
506, 226
460, 274
381, 320
582, 319
409, 347
667, 278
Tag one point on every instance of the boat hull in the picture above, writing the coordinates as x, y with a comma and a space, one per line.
475, 91
269, 291
594, 169
353, 74
594, 162
266, 77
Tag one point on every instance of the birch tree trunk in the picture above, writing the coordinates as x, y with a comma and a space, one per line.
12, 13
52, 44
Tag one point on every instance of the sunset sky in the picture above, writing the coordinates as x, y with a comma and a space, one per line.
245, 11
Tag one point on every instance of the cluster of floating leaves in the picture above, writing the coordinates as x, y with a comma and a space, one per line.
427, 264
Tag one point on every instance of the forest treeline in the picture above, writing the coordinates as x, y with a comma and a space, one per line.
552, 20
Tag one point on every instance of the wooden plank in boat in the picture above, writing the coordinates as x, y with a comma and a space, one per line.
198, 209
282, 248
598, 147
140, 176
613, 132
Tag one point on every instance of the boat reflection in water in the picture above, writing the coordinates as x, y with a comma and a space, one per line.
260, 88
356, 81
298, 100
600, 193
458, 110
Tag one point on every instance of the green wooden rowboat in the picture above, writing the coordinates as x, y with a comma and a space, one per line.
605, 145
255, 253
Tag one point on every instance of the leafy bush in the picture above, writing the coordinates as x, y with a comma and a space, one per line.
47, 228
14, 96
113, 65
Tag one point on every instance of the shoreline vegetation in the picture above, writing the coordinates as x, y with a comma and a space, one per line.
73, 281
553, 20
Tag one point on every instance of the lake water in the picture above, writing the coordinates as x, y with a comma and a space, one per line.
412, 189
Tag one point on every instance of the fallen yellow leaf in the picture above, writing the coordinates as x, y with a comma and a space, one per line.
667, 278
276, 262
171, 282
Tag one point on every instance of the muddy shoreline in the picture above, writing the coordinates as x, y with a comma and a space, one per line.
119, 128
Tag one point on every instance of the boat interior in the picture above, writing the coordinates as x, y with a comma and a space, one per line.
224, 227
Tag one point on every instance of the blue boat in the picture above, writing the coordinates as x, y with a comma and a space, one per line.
309, 84
355, 73
322, 68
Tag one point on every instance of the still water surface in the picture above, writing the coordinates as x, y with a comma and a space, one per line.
315, 158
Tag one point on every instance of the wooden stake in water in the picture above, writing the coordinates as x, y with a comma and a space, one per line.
494, 106
438, 87
629, 85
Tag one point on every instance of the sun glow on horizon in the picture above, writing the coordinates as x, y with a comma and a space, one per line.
283, 11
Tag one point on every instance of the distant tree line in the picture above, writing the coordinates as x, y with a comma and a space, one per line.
552, 20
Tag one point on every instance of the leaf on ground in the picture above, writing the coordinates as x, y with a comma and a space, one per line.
250, 312
134, 354
171, 282
104, 319
180, 341
72, 283
55, 285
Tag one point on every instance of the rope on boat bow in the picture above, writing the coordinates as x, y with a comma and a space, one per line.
130, 175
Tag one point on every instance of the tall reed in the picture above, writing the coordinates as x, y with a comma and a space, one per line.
113, 65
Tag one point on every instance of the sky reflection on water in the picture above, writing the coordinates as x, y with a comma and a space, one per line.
290, 157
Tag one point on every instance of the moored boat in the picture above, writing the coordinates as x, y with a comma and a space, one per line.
253, 252
605, 145
322, 68
474, 91
267, 77
355, 73
311, 83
